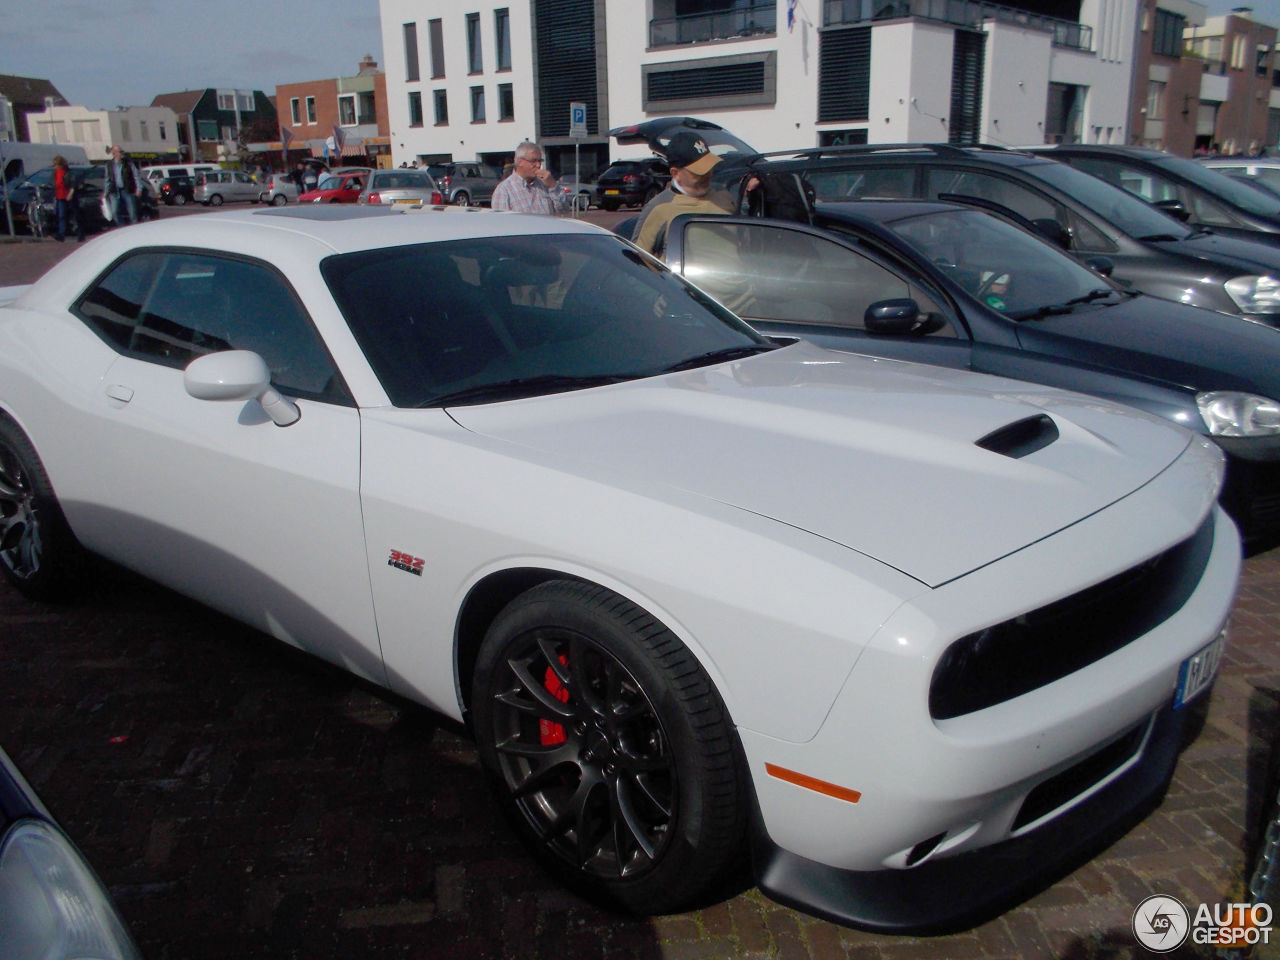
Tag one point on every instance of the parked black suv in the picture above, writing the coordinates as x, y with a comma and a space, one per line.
179, 190
1193, 192
632, 182
1142, 248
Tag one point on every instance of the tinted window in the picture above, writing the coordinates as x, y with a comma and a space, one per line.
891, 181
943, 184
1131, 215
170, 307
776, 273
1221, 185
434, 319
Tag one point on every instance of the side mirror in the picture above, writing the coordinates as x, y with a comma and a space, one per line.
1175, 208
238, 375
892, 317
1102, 265
1051, 230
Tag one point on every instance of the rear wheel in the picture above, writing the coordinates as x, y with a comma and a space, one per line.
38, 553
180, 199
462, 199
610, 205
216, 200
279, 200
608, 747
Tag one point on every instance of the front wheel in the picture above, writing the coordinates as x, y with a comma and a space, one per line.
180, 199
38, 553
462, 199
216, 200
608, 747
279, 200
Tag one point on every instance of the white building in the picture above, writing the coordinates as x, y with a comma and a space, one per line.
473, 80
147, 133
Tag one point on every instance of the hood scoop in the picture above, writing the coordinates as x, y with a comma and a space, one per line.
1022, 437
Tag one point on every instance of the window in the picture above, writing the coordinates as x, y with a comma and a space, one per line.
477, 104
124, 130
366, 109
506, 102
311, 109
475, 59
207, 130
143, 135
775, 273
347, 110
164, 132
1263, 60
1155, 100
940, 183
411, 52
415, 109
896, 181
502, 38
245, 99
1237, 53
295, 110
437, 49
1166, 41
441, 98
171, 307
226, 99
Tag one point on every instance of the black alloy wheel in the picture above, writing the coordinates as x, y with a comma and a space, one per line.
608, 747
38, 553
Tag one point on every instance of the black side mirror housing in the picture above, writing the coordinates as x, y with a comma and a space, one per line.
1175, 208
892, 317
1051, 230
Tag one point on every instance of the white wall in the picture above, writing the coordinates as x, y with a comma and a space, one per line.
1016, 84
97, 130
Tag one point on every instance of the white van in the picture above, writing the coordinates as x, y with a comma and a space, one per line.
154, 174
19, 160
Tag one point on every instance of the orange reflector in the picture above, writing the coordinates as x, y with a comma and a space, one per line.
813, 783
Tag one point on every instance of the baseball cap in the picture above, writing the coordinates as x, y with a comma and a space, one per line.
690, 151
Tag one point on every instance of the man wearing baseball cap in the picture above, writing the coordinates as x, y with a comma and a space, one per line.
690, 191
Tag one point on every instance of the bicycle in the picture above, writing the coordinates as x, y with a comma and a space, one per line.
36, 215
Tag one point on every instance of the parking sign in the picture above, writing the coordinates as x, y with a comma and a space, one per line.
578, 121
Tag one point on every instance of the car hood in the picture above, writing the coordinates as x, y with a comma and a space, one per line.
878, 455
1164, 341
1247, 256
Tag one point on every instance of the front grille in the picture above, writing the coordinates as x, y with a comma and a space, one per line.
1017, 656
1075, 780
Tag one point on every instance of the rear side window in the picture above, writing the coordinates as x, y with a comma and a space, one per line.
170, 307
896, 182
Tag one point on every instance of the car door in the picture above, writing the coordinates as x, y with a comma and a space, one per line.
213, 498
792, 280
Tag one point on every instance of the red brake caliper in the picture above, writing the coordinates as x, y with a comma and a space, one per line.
552, 732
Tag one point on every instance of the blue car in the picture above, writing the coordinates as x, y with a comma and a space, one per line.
950, 284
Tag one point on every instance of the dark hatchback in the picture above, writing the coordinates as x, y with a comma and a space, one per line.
947, 284
1143, 248
1200, 195
632, 183
90, 182
177, 190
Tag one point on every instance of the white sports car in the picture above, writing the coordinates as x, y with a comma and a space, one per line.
914, 634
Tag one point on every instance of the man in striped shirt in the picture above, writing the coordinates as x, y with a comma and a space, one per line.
530, 188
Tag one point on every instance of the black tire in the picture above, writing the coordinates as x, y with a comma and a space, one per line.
38, 552
649, 195
216, 200
608, 748
180, 199
610, 205
462, 199
279, 200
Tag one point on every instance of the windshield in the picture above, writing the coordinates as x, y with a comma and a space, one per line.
1006, 268
1221, 185
444, 322
1131, 215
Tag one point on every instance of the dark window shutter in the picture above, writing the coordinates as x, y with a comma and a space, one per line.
844, 74
566, 45
966, 87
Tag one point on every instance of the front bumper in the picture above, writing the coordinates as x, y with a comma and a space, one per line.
957, 892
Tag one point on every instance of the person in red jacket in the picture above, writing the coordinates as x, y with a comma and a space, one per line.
64, 200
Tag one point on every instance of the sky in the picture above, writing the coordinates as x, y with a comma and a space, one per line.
110, 53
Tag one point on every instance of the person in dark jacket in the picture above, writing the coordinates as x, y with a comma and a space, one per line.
124, 185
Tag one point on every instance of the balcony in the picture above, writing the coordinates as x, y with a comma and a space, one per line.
962, 13
757, 20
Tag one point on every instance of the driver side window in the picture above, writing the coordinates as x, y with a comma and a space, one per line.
170, 307
767, 272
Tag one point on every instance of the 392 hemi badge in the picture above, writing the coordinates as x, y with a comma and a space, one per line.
405, 562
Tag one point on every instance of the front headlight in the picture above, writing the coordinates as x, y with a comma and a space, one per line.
52, 907
1255, 294
1230, 414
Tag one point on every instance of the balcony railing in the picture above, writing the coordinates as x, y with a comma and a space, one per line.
759, 19
965, 13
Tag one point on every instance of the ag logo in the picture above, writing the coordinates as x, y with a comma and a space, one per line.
1161, 923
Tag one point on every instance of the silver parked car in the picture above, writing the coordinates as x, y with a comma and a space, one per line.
401, 186
216, 187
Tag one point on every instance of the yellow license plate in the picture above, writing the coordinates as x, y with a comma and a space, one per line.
610, 193
407, 200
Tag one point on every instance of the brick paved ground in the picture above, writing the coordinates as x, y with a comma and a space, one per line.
242, 800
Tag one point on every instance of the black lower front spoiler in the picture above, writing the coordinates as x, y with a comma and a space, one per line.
954, 893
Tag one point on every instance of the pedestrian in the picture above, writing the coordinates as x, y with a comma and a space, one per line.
531, 188
64, 200
689, 191
124, 185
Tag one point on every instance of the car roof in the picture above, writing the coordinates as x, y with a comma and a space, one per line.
885, 210
1113, 149
929, 152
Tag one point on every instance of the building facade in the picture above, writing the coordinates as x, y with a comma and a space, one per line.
20, 96
471, 82
354, 106
214, 124
1241, 52
148, 134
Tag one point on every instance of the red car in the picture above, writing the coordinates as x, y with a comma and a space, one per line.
342, 187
